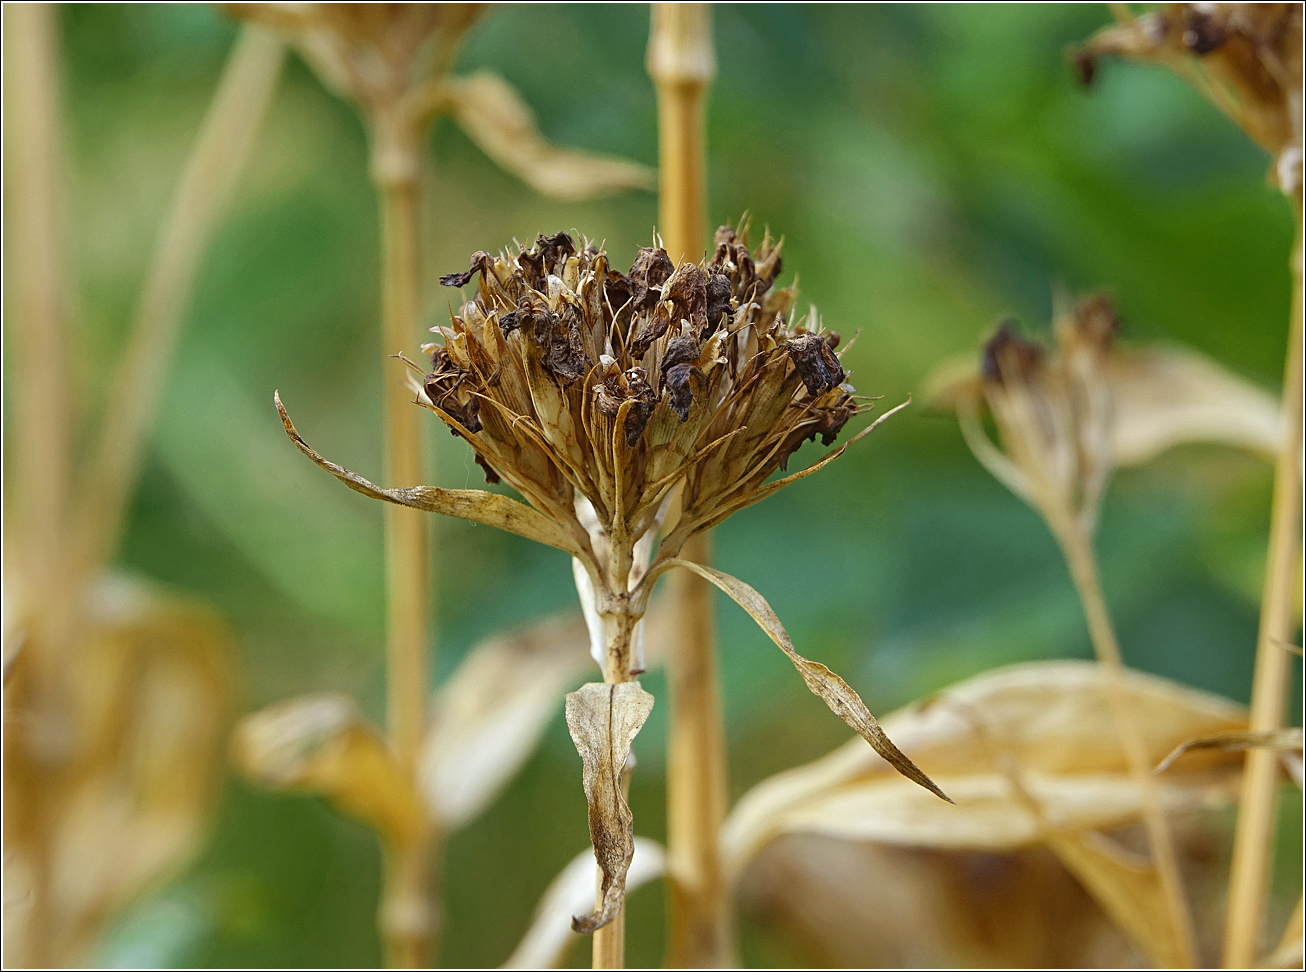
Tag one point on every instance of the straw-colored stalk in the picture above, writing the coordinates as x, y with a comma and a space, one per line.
1077, 546
206, 187
1254, 836
407, 916
681, 62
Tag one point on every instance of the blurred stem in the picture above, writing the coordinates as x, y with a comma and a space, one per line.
408, 870
44, 403
682, 65
221, 150
408, 922
1253, 846
37, 502
1077, 546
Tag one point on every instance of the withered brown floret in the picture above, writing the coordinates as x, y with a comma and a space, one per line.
574, 381
1006, 351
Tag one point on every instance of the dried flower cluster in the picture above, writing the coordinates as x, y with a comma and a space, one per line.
1245, 57
596, 393
631, 410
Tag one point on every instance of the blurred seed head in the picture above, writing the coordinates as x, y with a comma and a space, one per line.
595, 393
1244, 57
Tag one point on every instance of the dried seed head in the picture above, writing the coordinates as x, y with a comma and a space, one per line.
572, 380
1053, 410
1245, 57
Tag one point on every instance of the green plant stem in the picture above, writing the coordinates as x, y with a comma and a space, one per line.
681, 62
1077, 546
1253, 847
407, 884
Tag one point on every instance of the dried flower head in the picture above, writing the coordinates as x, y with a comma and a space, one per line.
1246, 58
632, 410
393, 60
1069, 415
597, 394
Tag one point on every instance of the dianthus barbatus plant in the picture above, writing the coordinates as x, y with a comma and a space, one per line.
632, 410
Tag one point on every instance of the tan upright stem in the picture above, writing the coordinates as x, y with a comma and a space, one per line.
1254, 836
43, 427
1078, 549
207, 184
682, 64
408, 869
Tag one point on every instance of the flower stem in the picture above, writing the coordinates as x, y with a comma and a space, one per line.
406, 887
681, 62
1078, 549
1254, 836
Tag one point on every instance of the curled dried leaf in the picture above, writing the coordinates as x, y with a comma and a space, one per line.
489, 715
467, 504
603, 719
550, 936
321, 744
496, 118
833, 690
1236, 741
1049, 720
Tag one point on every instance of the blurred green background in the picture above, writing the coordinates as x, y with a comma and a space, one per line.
931, 168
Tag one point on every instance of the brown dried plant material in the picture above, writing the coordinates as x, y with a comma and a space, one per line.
1067, 416
126, 756
1031, 757
393, 61
603, 719
321, 744
1237, 741
631, 411
825, 684
550, 935
1246, 58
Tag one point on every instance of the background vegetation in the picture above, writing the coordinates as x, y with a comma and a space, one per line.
932, 169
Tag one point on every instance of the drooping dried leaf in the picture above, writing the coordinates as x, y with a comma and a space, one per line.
550, 936
1048, 720
1236, 741
489, 715
321, 744
139, 769
603, 720
1167, 396
496, 118
833, 690
476, 505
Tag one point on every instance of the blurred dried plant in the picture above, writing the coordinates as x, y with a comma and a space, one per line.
1066, 418
115, 694
1246, 58
621, 405
1033, 759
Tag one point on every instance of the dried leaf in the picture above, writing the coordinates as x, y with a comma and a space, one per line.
550, 936
496, 118
489, 715
1236, 741
321, 744
833, 690
139, 726
468, 504
1167, 396
1128, 891
1048, 720
603, 719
